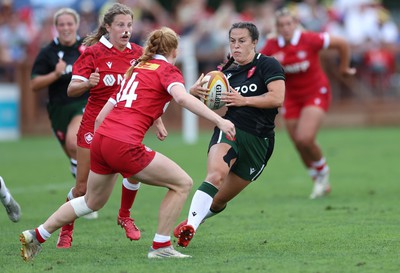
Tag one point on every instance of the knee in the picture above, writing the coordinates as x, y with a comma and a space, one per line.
303, 141
95, 205
70, 147
186, 185
215, 178
80, 206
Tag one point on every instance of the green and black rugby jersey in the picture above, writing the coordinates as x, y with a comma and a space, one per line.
46, 62
251, 80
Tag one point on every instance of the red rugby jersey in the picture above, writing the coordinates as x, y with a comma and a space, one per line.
112, 65
300, 60
141, 100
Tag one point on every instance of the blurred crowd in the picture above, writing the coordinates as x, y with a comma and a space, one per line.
368, 26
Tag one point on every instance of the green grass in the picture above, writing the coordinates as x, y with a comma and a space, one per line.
270, 227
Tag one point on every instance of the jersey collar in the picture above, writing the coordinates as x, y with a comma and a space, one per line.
294, 41
160, 57
107, 43
57, 41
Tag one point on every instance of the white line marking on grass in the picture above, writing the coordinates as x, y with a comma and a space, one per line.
41, 188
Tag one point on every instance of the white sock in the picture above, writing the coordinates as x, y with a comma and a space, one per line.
161, 238
209, 214
70, 196
319, 163
312, 173
201, 203
74, 163
129, 185
5, 195
43, 233
324, 171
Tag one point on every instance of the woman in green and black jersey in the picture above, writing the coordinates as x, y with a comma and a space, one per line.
257, 91
52, 69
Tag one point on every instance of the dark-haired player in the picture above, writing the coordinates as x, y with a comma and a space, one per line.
258, 88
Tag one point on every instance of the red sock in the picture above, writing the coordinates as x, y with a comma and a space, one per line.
157, 245
39, 237
319, 165
69, 226
127, 199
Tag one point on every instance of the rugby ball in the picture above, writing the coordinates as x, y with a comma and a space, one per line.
216, 83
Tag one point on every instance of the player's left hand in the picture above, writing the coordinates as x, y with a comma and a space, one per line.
233, 98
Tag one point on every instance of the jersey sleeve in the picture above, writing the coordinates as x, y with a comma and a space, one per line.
271, 70
84, 65
317, 40
41, 65
171, 76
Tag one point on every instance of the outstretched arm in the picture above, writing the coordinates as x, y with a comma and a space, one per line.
343, 48
194, 105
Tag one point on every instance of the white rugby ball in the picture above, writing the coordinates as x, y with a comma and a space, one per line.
217, 83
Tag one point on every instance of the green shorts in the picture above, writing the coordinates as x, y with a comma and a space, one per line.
252, 152
61, 116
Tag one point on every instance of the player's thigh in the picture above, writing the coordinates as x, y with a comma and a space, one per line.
291, 127
72, 130
164, 172
310, 121
220, 159
99, 189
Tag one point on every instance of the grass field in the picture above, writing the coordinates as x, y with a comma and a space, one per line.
271, 227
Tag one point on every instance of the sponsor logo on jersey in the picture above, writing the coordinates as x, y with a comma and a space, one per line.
109, 64
148, 66
194, 213
297, 67
246, 88
252, 170
68, 69
109, 80
88, 138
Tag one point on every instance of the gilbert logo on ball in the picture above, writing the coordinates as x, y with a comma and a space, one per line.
217, 83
